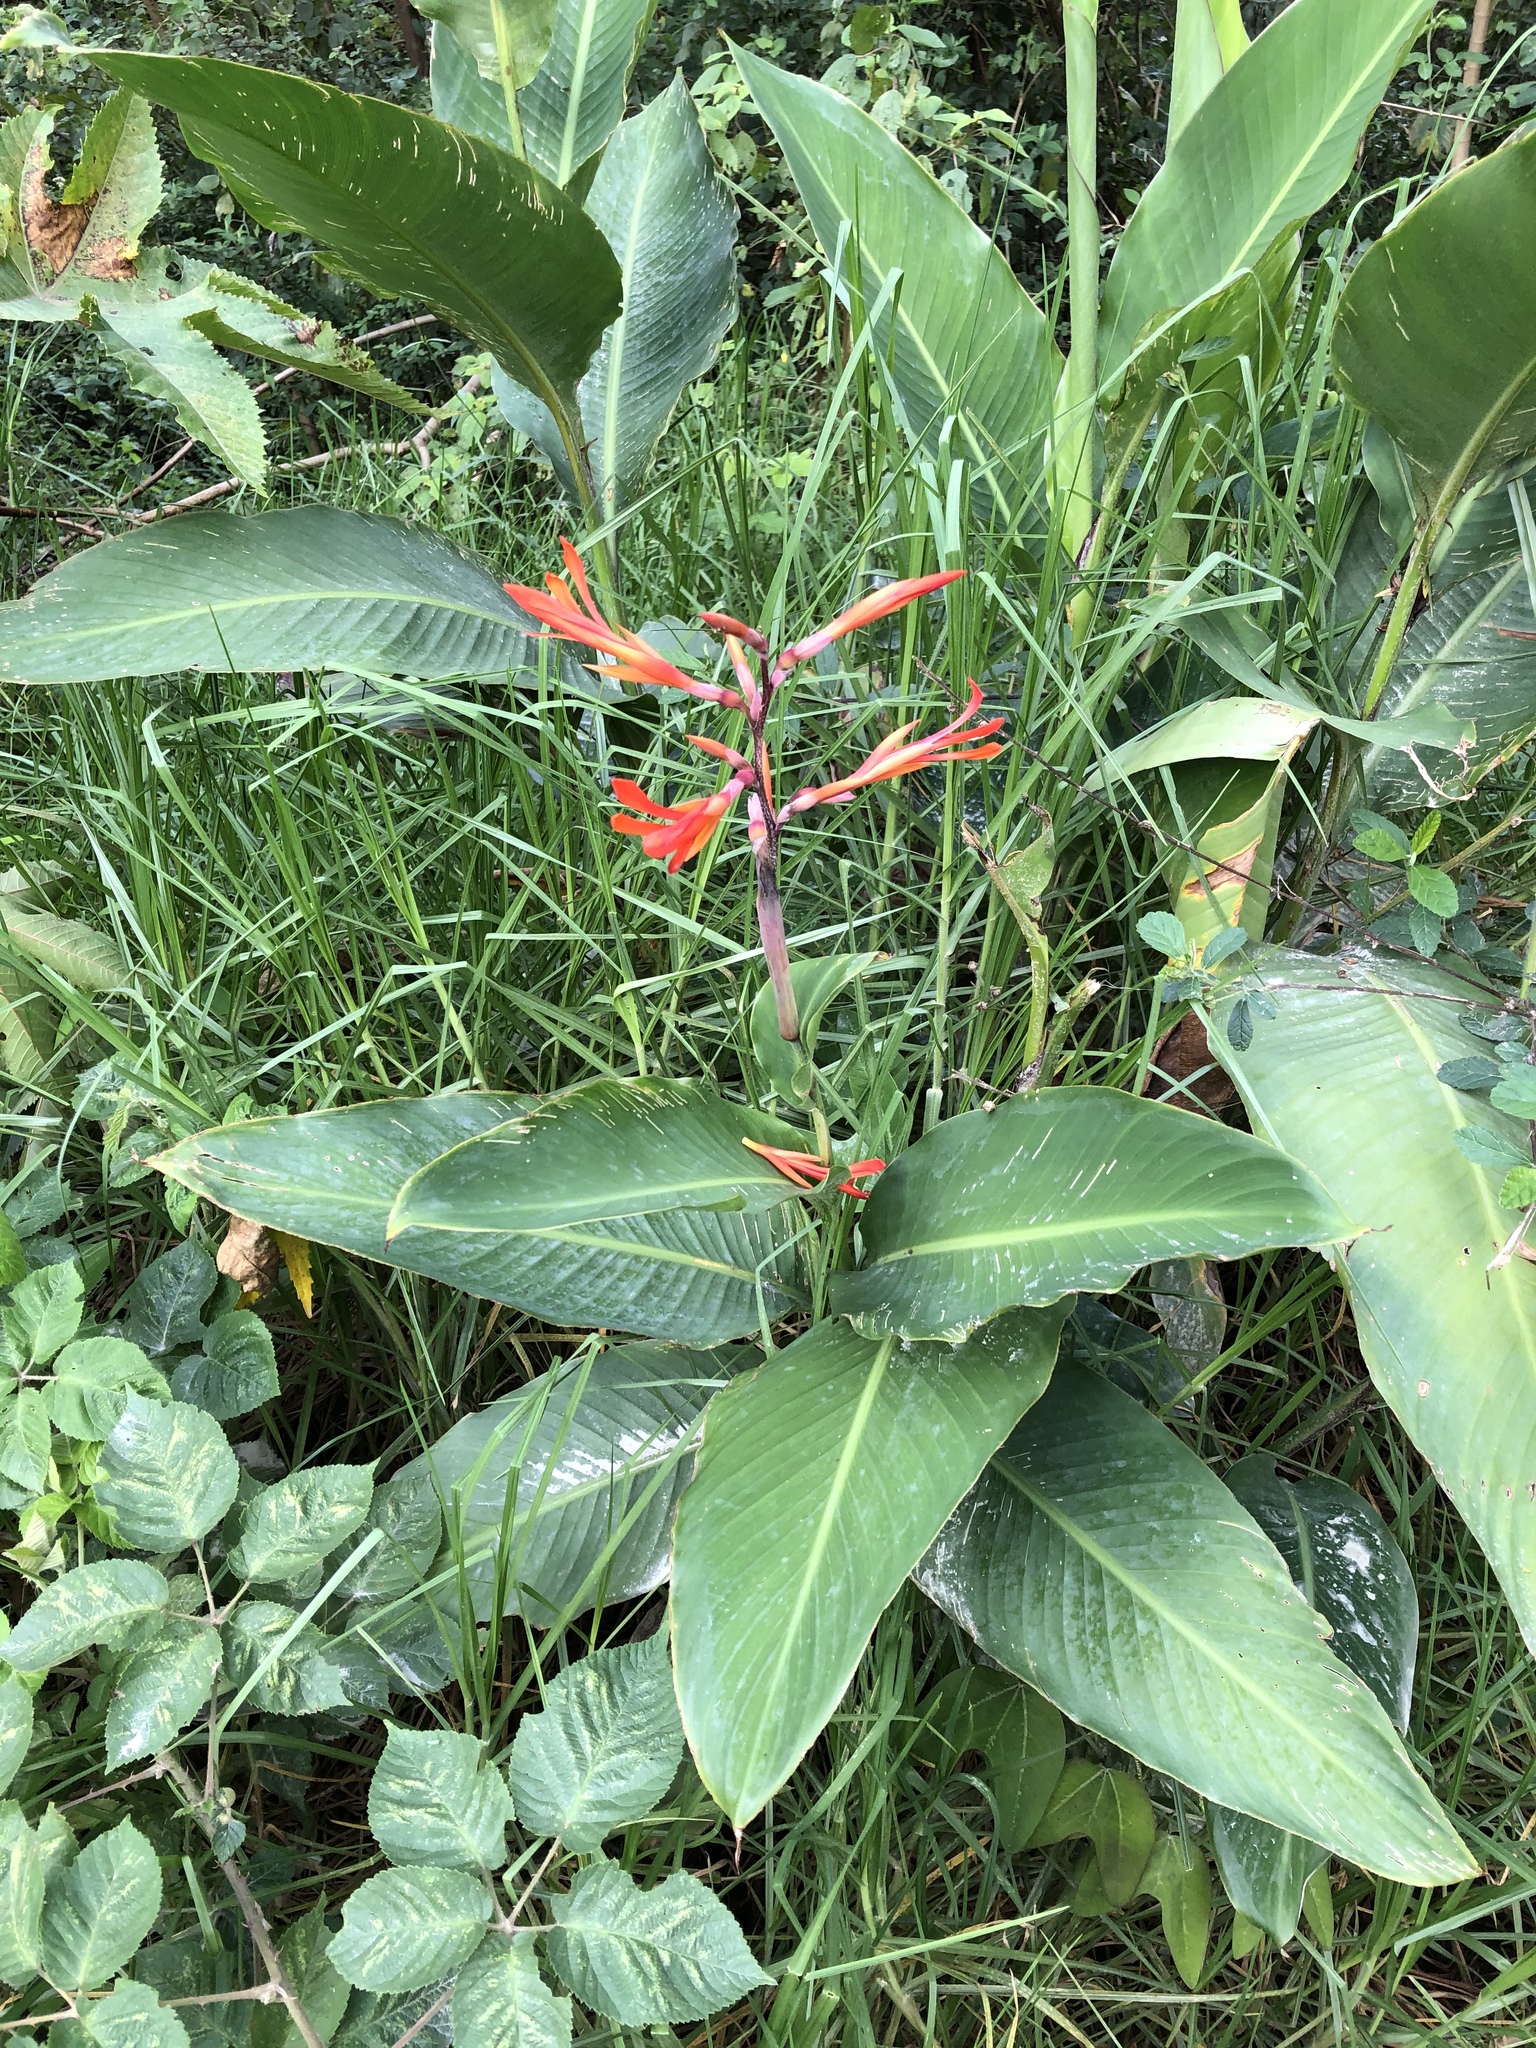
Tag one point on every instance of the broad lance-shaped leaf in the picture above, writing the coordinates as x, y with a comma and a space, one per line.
816, 983
1208, 39
601, 1151
1436, 334
331, 1177
604, 1748
462, 95
310, 587
493, 33
667, 217
961, 335
576, 100
644, 1958
1271, 142
1105, 1563
435, 1800
407, 206
599, 1455
1069, 1189
822, 1479
1345, 1076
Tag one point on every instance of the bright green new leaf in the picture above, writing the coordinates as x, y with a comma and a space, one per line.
1067, 1189
1346, 1076
409, 1927
332, 1177
15, 1727
961, 335
602, 1151
1208, 39
1112, 1809
598, 1459
1435, 890
408, 207
822, 1479
644, 1958
158, 1688
667, 217
21, 1897
434, 1800
1436, 334
605, 1747
92, 1379
88, 1605
167, 1474
99, 1908
501, 2001
311, 587
1102, 1561
294, 1524
576, 100
235, 1371
1271, 142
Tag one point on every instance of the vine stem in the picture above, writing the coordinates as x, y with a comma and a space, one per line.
245, 1898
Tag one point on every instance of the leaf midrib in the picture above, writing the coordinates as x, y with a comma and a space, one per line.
1028, 1234
218, 607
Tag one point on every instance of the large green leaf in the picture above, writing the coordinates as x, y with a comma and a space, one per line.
601, 1151
407, 206
100, 1908
501, 2001
1436, 333
409, 1927
1208, 39
1101, 1560
1471, 653
485, 29
160, 1685
88, 1605
1345, 1077
434, 1800
287, 1528
167, 1474
961, 335
1264, 1869
332, 1177
166, 358
236, 313
303, 588
582, 1474
1272, 141
576, 100
666, 214
822, 1479
462, 95
1069, 1189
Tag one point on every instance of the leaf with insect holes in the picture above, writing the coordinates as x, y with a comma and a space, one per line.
435, 1800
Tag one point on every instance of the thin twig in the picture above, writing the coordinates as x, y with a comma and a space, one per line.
425, 2021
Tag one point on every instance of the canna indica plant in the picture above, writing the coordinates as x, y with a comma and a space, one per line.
925, 1400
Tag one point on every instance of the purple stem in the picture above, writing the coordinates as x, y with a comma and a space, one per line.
770, 922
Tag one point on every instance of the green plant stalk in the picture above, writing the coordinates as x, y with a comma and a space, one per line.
504, 61
1076, 420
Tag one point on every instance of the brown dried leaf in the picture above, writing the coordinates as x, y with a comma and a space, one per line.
1183, 1051
248, 1256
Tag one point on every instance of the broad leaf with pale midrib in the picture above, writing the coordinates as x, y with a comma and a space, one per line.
821, 1480
331, 1177
1346, 1077
1104, 1562
575, 100
1069, 1189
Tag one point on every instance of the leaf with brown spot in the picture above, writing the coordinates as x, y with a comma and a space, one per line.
248, 1256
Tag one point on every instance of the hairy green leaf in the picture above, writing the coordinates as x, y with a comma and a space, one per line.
288, 1527
167, 1474
408, 1927
605, 1747
159, 1687
88, 1605
99, 1908
644, 1958
501, 2001
434, 1800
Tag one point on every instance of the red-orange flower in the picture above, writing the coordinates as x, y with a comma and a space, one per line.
896, 755
809, 1169
628, 658
673, 832
878, 604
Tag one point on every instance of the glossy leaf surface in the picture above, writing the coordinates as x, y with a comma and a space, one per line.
822, 1479
310, 587
961, 334
593, 1466
332, 1177
405, 205
1068, 1189
1265, 1870
1102, 1561
1346, 1076
1436, 334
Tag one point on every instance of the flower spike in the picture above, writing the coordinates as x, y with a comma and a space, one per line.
879, 604
724, 624
674, 832
809, 1169
896, 755
627, 658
